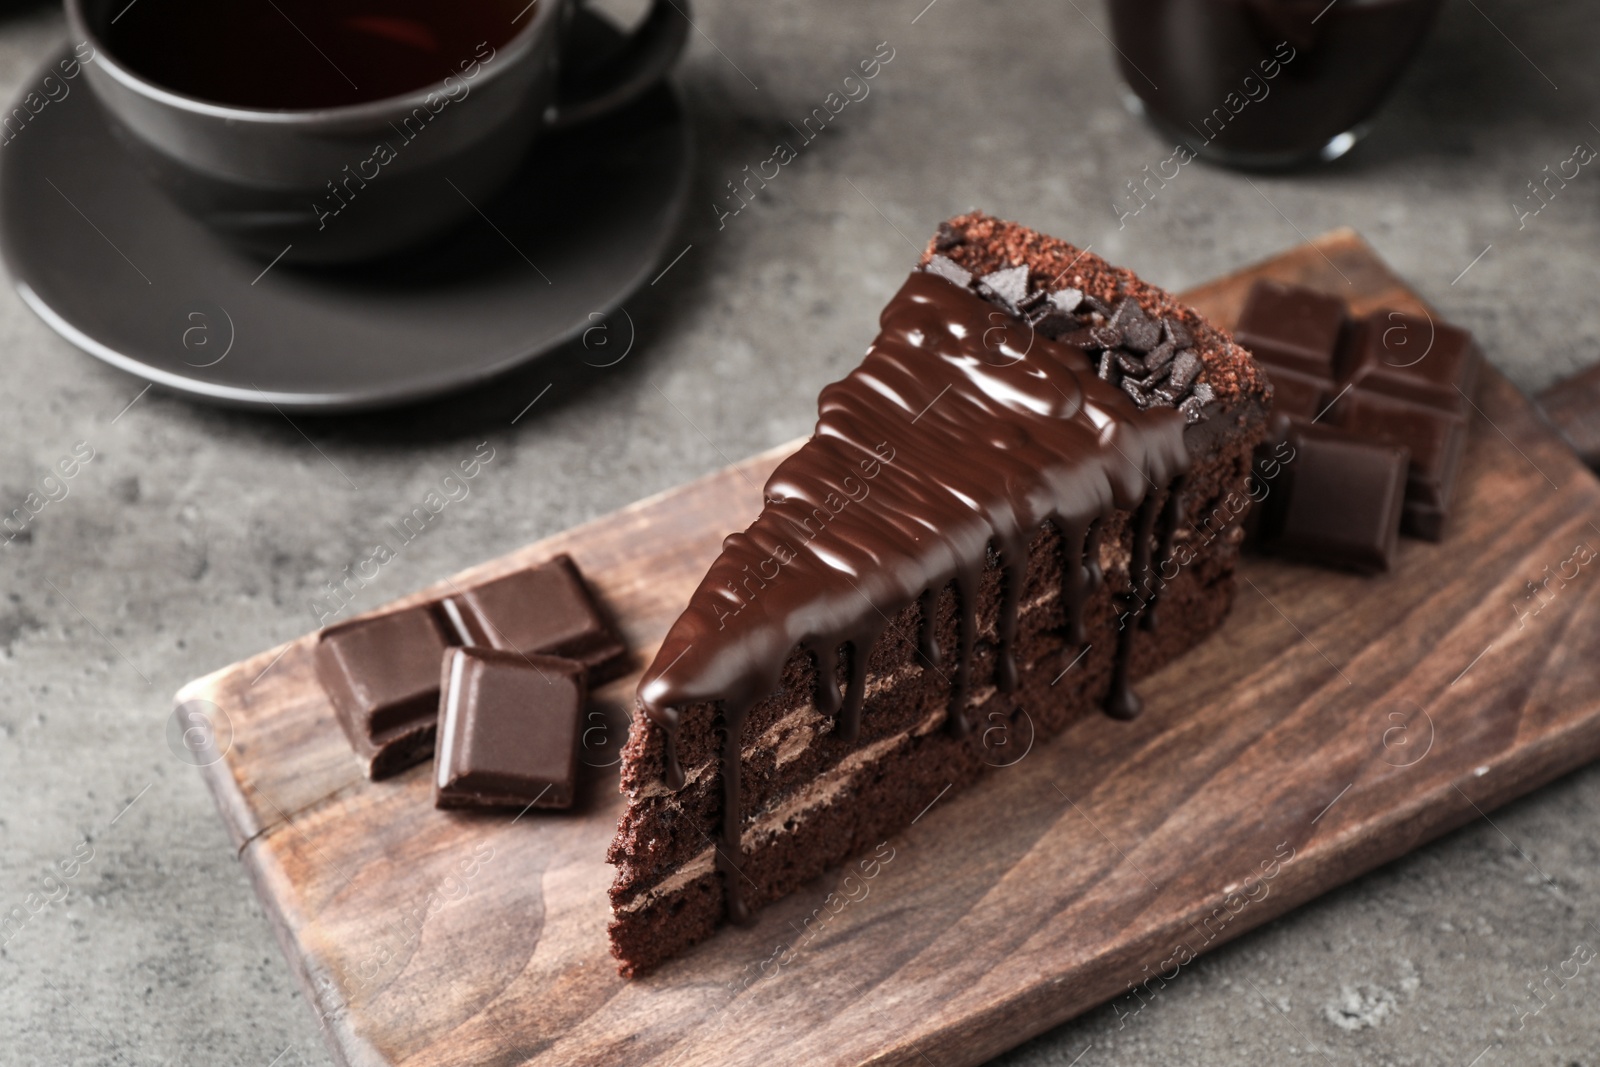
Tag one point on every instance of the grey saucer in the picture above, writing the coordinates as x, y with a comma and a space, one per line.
111, 264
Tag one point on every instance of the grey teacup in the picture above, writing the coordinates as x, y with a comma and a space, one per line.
354, 182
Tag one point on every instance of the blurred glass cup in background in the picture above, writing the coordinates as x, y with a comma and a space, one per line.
1266, 83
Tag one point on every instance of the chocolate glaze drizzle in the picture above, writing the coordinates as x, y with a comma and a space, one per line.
962, 430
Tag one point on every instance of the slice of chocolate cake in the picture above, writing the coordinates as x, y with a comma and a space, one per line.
1037, 450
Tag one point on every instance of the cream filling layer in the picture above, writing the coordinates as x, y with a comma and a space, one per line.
796, 806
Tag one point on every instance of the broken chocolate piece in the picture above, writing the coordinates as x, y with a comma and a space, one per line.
546, 609
1009, 286
1139, 332
1435, 440
1338, 501
1393, 377
1067, 301
1414, 358
1185, 369
1107, 336
1176, 333
508, 730
949, 269
382, 675
1289, 326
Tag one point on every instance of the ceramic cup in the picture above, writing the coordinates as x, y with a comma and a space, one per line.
355, 182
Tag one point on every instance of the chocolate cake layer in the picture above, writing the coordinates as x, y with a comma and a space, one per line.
981, 508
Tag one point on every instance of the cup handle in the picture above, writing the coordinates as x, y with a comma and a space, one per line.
637, 65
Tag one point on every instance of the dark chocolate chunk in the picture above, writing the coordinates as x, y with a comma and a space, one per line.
951, 270
1139, 332
1418, 359
1130, 364
1292, 327
1106, 365
1133, 389
381, 674
948, 237
545, 609
1296, 396
1098, 305
1160, 355
1009, 286
1051, 322
1067, 301
508, 730
1337, 501
1433, 438
1392, 377
1185, 369
1106, 336
1177, 333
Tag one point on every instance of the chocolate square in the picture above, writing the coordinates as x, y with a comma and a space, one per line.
546, 609
1296, 398
508, 730
382, 675
1342, 501
1292, 327
1435, 440
1415, 358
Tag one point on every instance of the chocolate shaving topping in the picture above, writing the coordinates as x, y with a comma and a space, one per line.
1160, 355
951, 270
1151, 359
1138, 331
1066, 301
1185, 368
1107, 336
1008, 287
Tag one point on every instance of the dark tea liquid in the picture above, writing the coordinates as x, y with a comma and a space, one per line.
306, 53
1188, 60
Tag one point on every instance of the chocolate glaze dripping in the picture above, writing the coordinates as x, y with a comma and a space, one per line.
856, 692
732, 878
967, 607
1168, 527
924, 458
1076, 580
827, 692
928, 632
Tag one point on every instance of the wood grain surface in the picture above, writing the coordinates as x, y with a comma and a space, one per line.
1335, 723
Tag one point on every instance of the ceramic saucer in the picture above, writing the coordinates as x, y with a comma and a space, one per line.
115, 267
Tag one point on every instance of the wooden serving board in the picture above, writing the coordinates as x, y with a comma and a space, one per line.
1336, 723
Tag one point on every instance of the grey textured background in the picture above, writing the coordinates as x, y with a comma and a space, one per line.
195, 536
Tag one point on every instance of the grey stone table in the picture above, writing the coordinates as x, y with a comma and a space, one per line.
196, 536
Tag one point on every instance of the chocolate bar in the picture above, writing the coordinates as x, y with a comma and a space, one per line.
508, 730
1391, 378
382, 675
1293, 328
546, 609
381, 672
1338, 501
